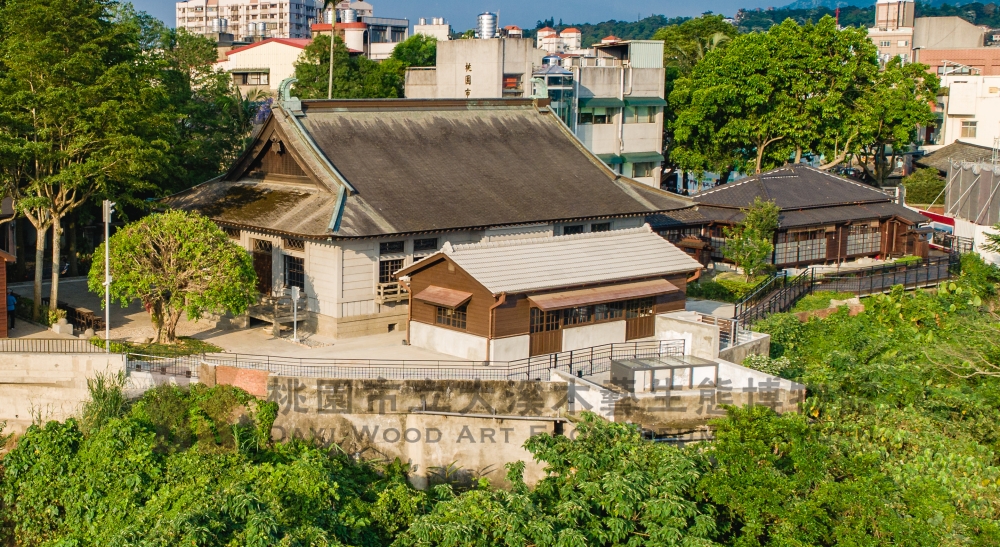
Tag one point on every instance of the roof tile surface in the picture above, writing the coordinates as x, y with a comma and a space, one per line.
523, 265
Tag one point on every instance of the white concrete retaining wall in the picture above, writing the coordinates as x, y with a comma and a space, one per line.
512, 348
460, 344
590, 336
48, 386
700, 339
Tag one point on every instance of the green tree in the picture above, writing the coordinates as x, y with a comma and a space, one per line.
176, 264
750, 242
212, 122
686, 44
607, 486
734, 109
889, 115
82, 104
767, 98
923, 186
417, 50
354, 76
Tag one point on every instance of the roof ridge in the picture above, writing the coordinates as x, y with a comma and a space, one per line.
847, 180
536, 240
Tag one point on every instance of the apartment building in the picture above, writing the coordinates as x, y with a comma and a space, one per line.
969, 111
611, 99
356, 24
249, 20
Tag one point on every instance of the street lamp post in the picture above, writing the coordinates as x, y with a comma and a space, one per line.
109, 208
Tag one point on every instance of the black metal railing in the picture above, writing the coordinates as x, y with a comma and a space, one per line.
864, 282
882, 279
584, 362
780, 300
48, 345
760, 293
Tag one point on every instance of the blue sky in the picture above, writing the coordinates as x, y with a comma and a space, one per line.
462, 13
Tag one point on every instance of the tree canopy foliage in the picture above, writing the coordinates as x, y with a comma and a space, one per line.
924, 186
177, 264
98, 100
593, 33
356, 76
749, 242
767, 98
896, 444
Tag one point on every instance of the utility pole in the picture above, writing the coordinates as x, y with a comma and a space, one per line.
109, 209
295, 314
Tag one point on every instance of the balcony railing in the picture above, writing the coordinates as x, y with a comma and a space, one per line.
390, 292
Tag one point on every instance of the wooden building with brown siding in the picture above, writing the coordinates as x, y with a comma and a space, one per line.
823, 218
507, 300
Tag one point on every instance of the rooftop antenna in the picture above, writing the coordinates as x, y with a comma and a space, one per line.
836, 13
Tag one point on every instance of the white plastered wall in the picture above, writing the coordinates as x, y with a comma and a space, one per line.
460, 344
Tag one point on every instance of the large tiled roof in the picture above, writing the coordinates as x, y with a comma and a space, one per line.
439, 165
798, 218
793, 187
806, 197
415, 166
957, 151
277, 207
517, 266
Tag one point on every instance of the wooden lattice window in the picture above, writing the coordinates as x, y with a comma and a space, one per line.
262, 246
293, 244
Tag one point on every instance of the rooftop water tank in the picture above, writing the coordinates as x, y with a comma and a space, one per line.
487, 26
438, 20
349, 16
422, 21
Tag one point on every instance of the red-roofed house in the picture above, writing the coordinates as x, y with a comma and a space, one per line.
263, 65
611, 40
512, 31
570, 40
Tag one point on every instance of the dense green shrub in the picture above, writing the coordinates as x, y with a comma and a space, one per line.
820, 300
908, 260
897, 444
724, 288
923, 186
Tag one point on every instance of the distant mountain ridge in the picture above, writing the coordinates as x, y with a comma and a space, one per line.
833, 4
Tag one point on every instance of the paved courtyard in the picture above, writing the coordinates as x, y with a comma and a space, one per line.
133, 323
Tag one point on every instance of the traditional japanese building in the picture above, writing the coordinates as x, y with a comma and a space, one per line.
824, 218
508, 300
335, 197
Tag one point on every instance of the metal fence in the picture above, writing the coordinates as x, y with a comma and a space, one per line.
46, 345
882, 279
780, 294
781, 298
583, 362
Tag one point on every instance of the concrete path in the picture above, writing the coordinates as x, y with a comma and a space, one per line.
724, 310
134, 323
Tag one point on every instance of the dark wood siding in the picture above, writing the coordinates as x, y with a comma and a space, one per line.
513, 318
272, 162
666, 303
439, 274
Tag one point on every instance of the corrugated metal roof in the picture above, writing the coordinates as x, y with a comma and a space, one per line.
517, 266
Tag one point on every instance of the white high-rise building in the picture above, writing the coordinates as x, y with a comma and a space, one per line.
249, 20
